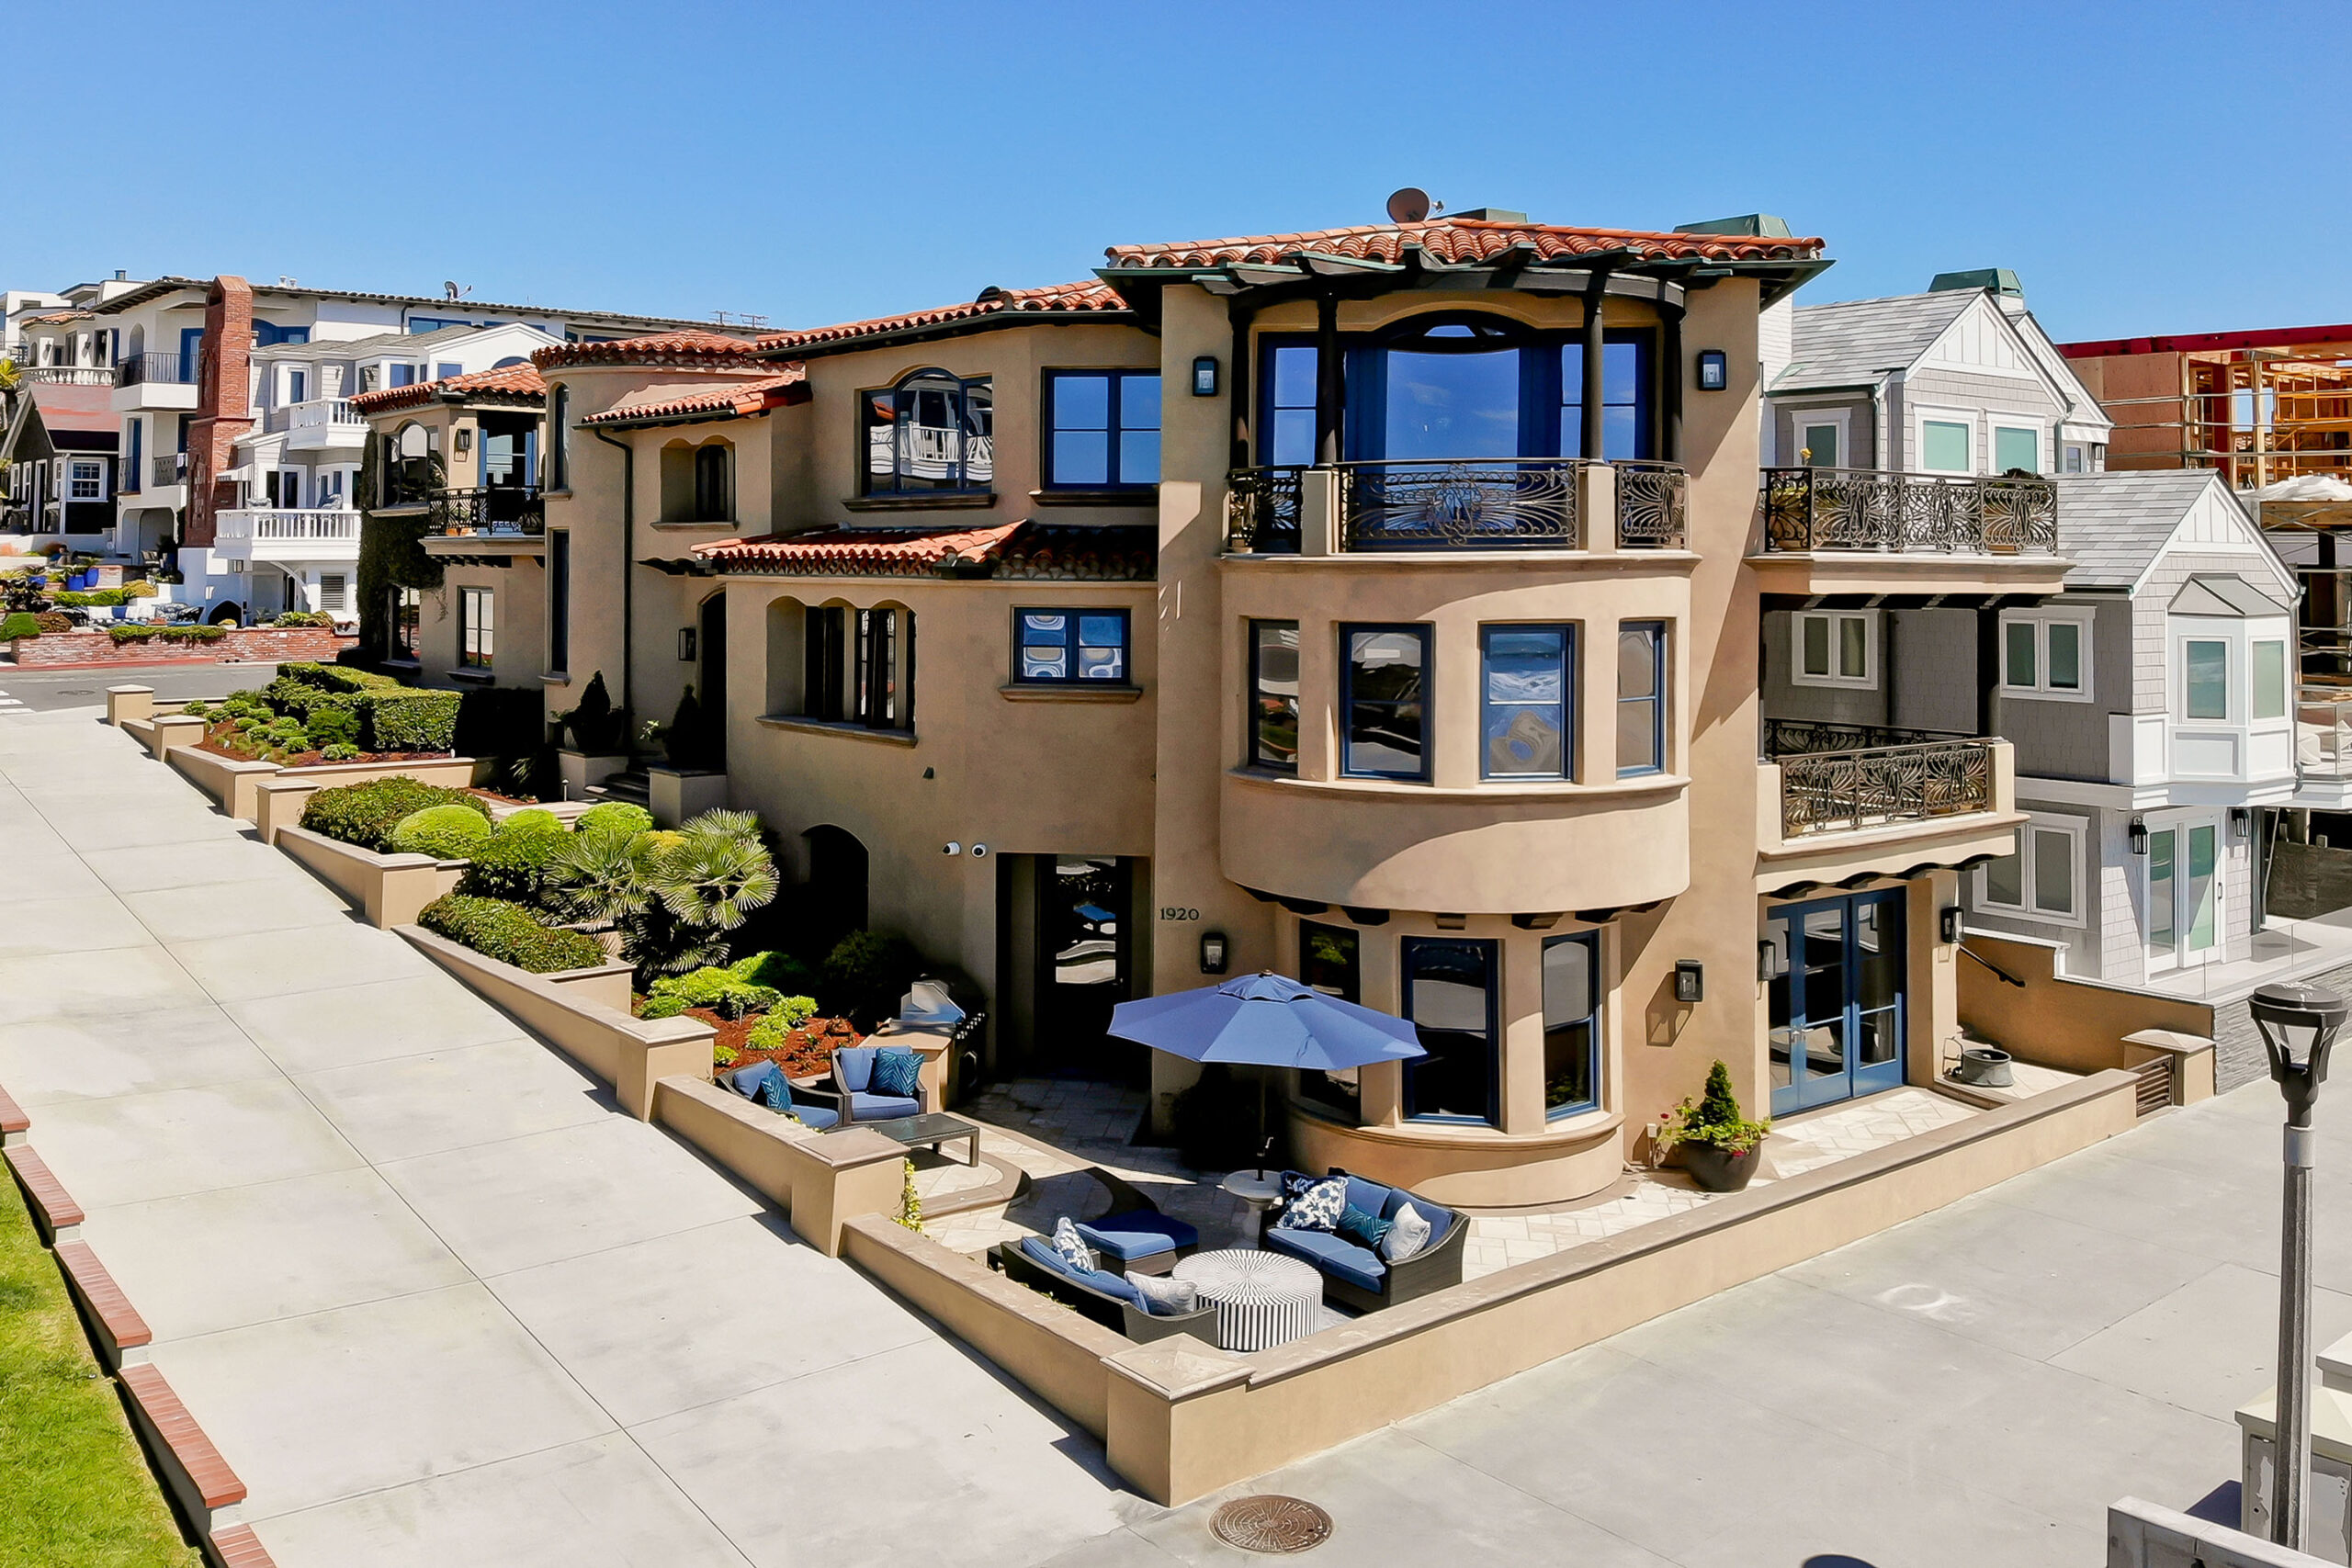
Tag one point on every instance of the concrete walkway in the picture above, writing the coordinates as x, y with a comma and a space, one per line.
437, 1302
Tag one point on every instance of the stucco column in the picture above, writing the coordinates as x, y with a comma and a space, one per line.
1522, 1030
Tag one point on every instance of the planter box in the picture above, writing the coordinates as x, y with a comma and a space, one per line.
266, 645
672, 795
390, 890
581, 769
822, 1181
228, 780
278, 802
630, 1053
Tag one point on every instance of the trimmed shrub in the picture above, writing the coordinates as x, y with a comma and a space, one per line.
531, 820
334, 727
721, 990
616, 817
198, 709
338, 752
23, 623
778, 972
366, 814
139, 588
131, 634
513, 865
191, 633
445, 832
304, 618
510, 933
407, 719
867, 972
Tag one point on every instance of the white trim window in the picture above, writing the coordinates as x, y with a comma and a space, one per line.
2042, 879
2017, 446
86, 479
1946, 441
1808, 431
2046, 656
1834, 647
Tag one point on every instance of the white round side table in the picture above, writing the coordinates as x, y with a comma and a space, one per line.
1258, 1189
1262, 1299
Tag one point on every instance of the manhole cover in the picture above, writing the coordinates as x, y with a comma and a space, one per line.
1270, 1524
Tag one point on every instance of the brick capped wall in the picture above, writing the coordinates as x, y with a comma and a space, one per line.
248, 644
222, 404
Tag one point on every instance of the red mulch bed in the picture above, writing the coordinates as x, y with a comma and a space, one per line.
216, 740
807, 1051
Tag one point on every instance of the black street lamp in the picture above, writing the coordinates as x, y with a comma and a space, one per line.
2299, 1024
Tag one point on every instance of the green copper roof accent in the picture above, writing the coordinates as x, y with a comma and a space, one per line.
1754, 225
1999, 279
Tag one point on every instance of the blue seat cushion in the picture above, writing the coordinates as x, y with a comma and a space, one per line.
1146, 1232
1369, 1196
1113, 1285
747, 1081
882, 1107
898, 1071
1040, 1251
1037, 1249
816, 1118
1336, 1255
854, 1065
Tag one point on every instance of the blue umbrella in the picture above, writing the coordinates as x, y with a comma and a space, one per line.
1268, 1020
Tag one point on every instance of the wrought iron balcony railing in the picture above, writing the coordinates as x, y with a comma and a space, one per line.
1809, 737
138, 368
492, 510
1653, 504
1881, 786
1864, 509
1261, 508
1468, 503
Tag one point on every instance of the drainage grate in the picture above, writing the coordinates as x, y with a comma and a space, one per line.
1270, 1523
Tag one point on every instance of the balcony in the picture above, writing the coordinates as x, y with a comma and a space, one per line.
145, 382
1504, 503
320, 424
70, 375
170, 469
1859, 530
497, 520
1837, 801
290, 534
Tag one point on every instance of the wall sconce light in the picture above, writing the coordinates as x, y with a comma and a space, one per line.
1204, 376
465, 440
2241, 821
1212, 952
1952, 925
1689, 980
1714, 371
686, 643
2138, 834
1768, 961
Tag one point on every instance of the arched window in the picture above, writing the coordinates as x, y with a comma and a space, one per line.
410, 459
713, 500
931, 432
510, 359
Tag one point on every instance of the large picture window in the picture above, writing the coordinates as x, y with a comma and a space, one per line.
1571, 1024
1384, 729
2045, 656
1274, 694
2205, 679
931, 431
857, 666
1068, 647
1641, 697
1524, 694
2043, 878
1449, 991
1103, 429
1331, 959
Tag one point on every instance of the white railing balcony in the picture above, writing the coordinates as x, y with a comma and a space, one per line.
320, 423
288, 534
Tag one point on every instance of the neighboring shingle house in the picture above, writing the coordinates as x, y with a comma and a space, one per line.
1961, 380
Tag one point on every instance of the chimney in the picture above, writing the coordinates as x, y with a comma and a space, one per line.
2007, 292
120, 276
223, 406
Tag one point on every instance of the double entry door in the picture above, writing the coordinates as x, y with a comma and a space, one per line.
1837, 995
2184, 895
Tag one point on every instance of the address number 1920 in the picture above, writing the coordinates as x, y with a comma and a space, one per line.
1171, 912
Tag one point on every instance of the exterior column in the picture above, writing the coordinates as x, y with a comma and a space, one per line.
1988, 668
1331, 380
1671, 372
1591, 432
1239, 391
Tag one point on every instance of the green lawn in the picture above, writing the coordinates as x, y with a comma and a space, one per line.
75, 1491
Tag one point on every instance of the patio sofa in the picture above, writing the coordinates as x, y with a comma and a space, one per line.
1135, 1234
1096, 1294
817, 1109
853, 1080
1357, 1277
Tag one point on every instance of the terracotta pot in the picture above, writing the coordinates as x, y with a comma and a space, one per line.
1718, 1171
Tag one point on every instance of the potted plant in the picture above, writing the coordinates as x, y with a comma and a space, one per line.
1720, 1147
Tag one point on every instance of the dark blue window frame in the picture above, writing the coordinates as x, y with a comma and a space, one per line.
1115, 431
1563, 1024
1661, 686
1069, 643
1349, 702
1491, 712
1265, 703
1455, 952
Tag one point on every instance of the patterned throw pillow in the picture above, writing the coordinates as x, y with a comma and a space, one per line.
1367, 1231
1068, 1244
1408, 1235
775, 1093
900, 1073
1314, 1204
1164, 1297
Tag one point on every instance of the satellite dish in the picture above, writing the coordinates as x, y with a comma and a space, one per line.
1409, 205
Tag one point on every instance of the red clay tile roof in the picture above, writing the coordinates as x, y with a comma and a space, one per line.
1061, 298
741, 398
1030, 550
659, 348
506, 381
1459, 240
54, 317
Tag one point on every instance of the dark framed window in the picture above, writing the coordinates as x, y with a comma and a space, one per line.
474, 626
1572, 1024
1102, 429
1068, 647
1331, 959
1274, 694
1382, 672
1288, 397
1526, 686
713, 501
1641, 697
858, 665
1450, 986
1624, 384
931, 431
558, 601
559, 439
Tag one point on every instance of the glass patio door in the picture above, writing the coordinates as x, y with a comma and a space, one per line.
1837, 999
2184, 896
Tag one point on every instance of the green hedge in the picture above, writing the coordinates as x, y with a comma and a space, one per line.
366, 814
408, 719
166, 634
513, 865
511, 935
445, 832
23, 623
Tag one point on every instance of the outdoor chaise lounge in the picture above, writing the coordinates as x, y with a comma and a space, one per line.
1360, 1277
1097, 1294
1134, 1233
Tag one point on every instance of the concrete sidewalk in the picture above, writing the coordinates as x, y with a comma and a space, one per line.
437, 1302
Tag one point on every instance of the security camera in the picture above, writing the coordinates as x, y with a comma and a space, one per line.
978, 850
953, 848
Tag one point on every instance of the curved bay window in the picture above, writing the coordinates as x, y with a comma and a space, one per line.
1331, 959
1571, 1024
931, 431
1450, 996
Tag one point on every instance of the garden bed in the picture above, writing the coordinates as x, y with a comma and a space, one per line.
256, 645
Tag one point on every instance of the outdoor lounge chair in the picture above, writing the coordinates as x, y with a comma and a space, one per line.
1355, 1276
1134, 1233
1099, 1295
853, 1077
818, 1108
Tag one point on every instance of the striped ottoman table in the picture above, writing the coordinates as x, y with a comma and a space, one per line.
1261, 1300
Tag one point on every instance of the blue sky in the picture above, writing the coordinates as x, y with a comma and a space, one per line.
824, 163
